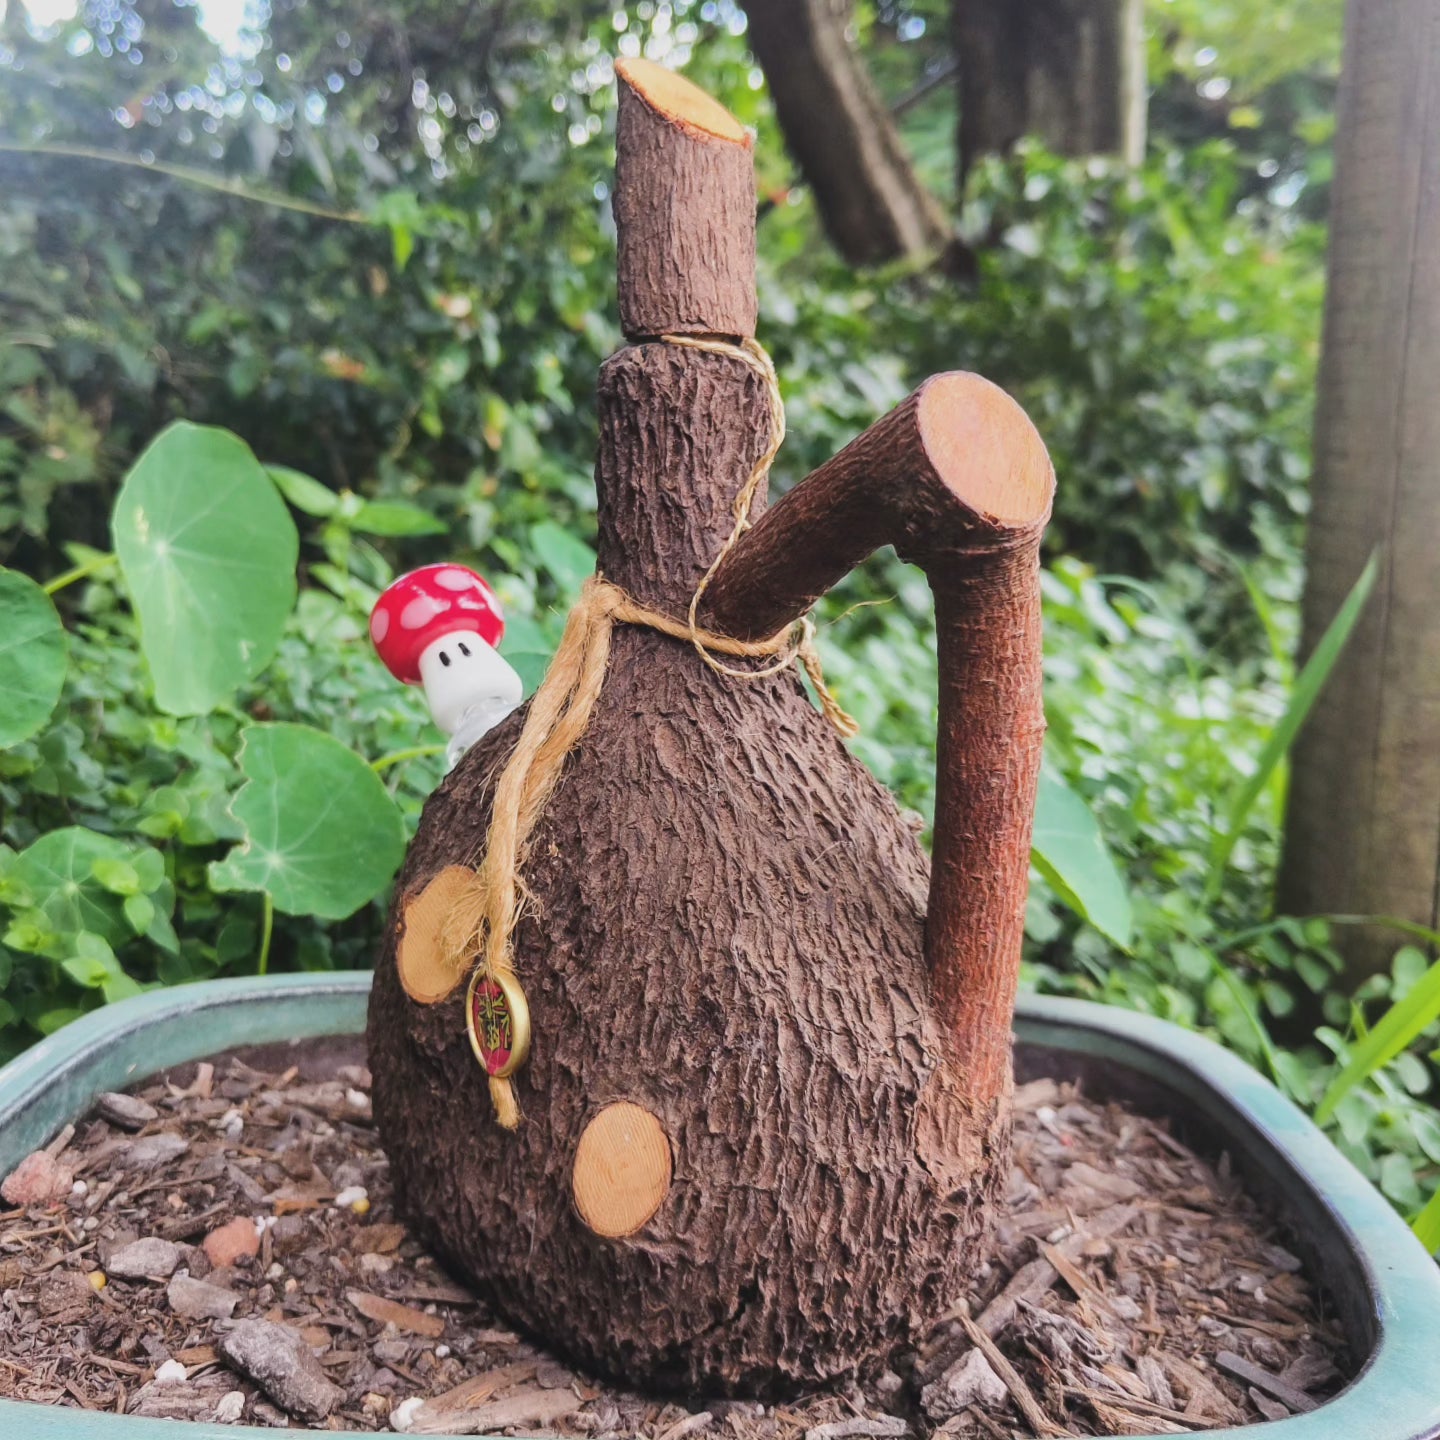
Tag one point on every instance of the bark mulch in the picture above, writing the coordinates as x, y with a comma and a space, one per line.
226, 1250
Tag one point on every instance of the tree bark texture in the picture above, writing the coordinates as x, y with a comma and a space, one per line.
873, 206
1069, 72
1363, 829
727, 930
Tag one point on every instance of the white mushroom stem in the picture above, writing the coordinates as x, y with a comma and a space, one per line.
470, 689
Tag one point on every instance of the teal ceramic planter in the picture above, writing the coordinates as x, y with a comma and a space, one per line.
1386, 1287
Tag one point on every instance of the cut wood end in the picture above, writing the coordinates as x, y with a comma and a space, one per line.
681, 101
426, 974
985, 449
622, 1170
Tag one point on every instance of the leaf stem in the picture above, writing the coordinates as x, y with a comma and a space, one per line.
1237, 938
395, 757
1237, 992
267, 929
189, 176
80, 572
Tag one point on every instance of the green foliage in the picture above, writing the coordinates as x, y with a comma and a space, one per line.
1070, 852
32, 657
1401, 1023
136, 893
208, 551
1427, 1224
321, 835
1303, 695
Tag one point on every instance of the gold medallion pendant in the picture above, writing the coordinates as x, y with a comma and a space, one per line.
497, 1017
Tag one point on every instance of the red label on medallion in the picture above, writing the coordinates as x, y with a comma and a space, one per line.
492, 1025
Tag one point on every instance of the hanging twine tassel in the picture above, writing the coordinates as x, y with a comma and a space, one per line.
485, 915
507, 1108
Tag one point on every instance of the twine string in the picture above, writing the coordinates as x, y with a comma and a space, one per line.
485, 916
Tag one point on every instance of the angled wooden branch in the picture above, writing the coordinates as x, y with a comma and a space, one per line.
958, 481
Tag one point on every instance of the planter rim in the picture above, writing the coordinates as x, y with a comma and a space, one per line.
57, 1079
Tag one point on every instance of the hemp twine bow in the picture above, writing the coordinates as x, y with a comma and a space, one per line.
485, 916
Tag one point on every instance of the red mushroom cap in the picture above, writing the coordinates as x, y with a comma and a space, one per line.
427, 603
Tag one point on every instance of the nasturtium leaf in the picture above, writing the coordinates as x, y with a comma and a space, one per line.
32, 657
322, 835
1070, 852
208, 550
58, 873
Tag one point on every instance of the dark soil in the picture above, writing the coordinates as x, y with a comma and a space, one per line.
1133, 1288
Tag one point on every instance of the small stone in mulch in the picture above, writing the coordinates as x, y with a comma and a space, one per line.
236, 1241
197, 1300
277, 1359
144, 1259
229, 1408
37, 1180
971, 1380
150, 1151
128, 1112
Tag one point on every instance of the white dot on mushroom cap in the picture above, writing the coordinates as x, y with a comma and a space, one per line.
379, 625
420, 611
477, 604
455, 579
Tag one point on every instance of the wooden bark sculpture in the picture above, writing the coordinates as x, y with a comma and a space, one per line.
766, 1103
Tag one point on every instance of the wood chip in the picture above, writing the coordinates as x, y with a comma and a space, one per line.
378, 1239
479, 1388
1020, 1392
1152, 1373
690, 1425
391, 1312
525, 1407
129, 1112
1263, 1380
1033, 1280
858, 1425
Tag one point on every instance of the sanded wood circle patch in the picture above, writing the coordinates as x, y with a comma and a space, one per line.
622, 1169
420, 956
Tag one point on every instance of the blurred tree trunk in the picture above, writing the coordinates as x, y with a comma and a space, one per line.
839, 132
1069, 72
1363, 829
